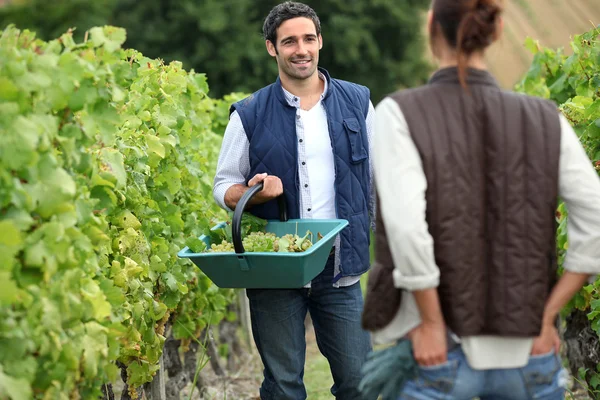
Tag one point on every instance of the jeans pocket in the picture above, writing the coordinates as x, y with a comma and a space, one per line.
440, 378
542, 356
543, 376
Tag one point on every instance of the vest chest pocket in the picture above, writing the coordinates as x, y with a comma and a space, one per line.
355, 137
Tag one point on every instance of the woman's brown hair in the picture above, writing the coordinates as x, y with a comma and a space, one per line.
467, 25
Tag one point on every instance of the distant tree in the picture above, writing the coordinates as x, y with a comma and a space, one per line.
377, 43
219, 37
52, 18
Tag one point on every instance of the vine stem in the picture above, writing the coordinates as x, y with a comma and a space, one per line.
584, 71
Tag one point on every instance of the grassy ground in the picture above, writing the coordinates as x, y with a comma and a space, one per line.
317, 376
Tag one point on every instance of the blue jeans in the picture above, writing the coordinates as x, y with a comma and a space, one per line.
542, 378
278, 328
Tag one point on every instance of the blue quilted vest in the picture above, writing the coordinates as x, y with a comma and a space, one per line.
270, 124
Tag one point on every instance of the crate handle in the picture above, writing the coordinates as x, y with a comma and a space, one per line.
236, 224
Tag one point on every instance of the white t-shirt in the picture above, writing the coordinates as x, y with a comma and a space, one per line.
319, 161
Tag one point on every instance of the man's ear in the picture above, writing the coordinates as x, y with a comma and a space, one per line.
320, 41
271, 48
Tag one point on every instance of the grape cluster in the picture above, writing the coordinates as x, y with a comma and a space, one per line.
132, 392
259, 242
160, 326
223, 247
267, 242
292, 243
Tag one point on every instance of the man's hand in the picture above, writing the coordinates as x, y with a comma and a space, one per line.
272, 187
547, 341
429, 344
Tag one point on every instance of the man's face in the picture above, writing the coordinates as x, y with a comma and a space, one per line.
297, 48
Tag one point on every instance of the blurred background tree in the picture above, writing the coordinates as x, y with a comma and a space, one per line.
50, 19
377, 43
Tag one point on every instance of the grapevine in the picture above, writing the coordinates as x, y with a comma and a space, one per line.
572, 82
106, 165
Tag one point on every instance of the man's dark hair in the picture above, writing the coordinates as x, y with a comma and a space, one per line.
284, 11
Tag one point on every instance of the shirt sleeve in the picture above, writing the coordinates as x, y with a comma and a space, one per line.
233, 165
370, 121
401, 186
579, 188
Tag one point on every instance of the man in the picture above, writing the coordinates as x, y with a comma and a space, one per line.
309, 136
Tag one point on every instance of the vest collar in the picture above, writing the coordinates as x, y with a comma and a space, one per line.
474, 77
281, 96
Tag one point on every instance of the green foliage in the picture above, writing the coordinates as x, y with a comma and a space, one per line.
375, 43
573, 82
220, 113
251, 223
50, 19
106, 166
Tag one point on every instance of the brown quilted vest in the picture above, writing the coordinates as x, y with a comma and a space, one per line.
491, 162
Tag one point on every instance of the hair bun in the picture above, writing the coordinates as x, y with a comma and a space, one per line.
478, 27
468, 26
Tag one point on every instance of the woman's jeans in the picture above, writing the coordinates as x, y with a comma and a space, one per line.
279, 333
542, 378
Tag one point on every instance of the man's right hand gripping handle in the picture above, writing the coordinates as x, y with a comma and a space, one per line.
272, 189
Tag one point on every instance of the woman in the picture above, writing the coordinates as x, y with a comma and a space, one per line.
468, 178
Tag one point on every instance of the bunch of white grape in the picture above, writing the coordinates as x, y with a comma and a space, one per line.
223, 247
267, 242
259, 241
292, 243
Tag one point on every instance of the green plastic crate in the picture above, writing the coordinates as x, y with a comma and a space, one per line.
270, 270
